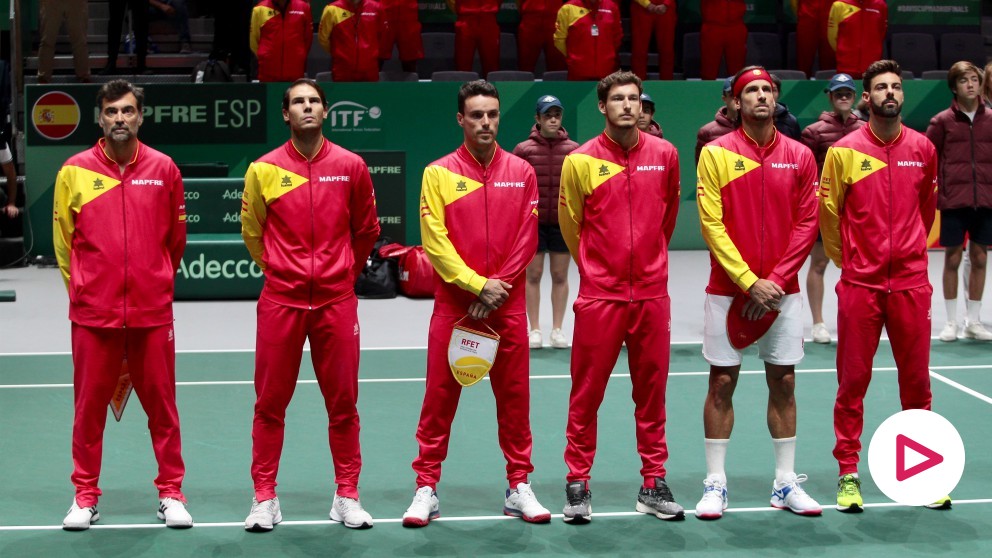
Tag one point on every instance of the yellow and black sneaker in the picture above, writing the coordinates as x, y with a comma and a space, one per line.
849, 494
941, 504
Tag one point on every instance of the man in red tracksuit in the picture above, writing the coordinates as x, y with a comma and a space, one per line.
756, 195
349, 30
478, 221
811, 35
878, 196
658, 17
476, 28
722, 35
309, 221
856, 32
619, 202
281, 33
401, 27
588, 33
119, 233
536, 33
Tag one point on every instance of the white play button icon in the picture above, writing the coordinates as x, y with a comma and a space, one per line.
916, 457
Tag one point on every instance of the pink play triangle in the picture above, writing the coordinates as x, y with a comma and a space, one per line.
932, 458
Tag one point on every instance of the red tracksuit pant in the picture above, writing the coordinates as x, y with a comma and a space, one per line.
601, 328
477, 32
402, 28
97, 355
811, 38
861, 313
510, 379
721, 41
642, 24
535, 33
334, 348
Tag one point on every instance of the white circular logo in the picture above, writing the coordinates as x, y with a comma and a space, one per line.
916, 457
375, 112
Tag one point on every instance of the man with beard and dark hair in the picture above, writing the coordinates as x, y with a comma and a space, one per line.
756, 195
878, 195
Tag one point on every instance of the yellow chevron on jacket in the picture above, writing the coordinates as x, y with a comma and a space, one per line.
567, 16
842, 168
264, 183
581, 174
441, 188
839, 12
259, 16
333, 15
74, 187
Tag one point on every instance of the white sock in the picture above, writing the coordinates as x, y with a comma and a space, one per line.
951, 307
716, 455
974, 309
855, 475
785, 458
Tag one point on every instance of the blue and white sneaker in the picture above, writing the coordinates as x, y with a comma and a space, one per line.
788, 495
714, 500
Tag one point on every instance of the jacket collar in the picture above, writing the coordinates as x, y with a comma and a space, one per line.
464, 154
754, 144
535, 135
295, 154
956, 108
101, 147
870, 134
606, 141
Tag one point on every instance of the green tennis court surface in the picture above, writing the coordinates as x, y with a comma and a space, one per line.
216, 397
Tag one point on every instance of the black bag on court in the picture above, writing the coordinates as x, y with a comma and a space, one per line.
212, 71
380, 277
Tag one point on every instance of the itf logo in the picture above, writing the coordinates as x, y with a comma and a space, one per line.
347, 116
916, 457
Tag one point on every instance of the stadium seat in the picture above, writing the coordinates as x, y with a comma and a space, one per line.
317, 59
764, 49
510, 75
789, 74
934, 74
962, 46
824, 74
555, 75
398, 76
324, 76
915, 52
454, 75
507, 51
439, 54
691, 57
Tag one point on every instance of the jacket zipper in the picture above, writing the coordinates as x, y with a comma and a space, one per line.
630, 224
974, 171
313, 233
124, 216
888, 168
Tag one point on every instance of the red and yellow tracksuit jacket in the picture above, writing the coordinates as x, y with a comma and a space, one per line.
119, 237
478, 221
611, 218
281, 39
588, 33
310, 225
350, 31
856, 31
877, 205
757, 208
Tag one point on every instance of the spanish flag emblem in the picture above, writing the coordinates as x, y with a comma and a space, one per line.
55, 115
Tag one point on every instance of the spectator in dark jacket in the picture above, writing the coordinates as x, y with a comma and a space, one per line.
545, 150
962, 135
646, 122
723, 123
785, 121
819, 136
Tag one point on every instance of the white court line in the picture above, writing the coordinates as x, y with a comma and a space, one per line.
471, 518
548, 377
961, 387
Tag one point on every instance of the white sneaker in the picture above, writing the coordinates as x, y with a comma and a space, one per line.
714, 500
536, 339
263, 516
522, 503
820, 333
974, 330
949, 333
558, 340
174, 513
79, 519
789, 495
350, 512
424, 508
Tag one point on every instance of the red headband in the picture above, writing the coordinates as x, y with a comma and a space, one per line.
748, 77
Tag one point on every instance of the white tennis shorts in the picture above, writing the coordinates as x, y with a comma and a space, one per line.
782, 344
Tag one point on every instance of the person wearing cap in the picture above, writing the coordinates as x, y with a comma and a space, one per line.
856, 32
620, 200
723, 123
962, 135
878, 196
723, 35
476, 28
785, 121
646, 122
350, 31
756, 196
478, 220
536, 34
588, 33
545, 150
819, 136
658, 17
